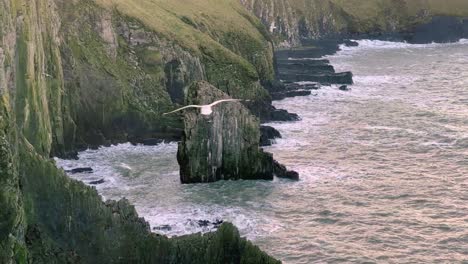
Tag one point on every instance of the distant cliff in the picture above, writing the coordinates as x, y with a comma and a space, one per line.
291, 21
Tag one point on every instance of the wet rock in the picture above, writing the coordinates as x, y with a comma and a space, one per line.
306, 86
283, 115
282, 172
163, 228
101, 181
301, 63
218, 223
344, 88
268, 134
292, 69
152, 141
283, 95
223, 145
80, 170
351, 43
204, 223
334, 78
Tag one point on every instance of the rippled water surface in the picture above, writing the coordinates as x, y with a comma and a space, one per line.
384, 168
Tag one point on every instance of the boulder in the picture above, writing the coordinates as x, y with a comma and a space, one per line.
223, 145
344, 88
268, 134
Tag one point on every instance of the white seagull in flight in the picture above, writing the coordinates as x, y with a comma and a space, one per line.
205, 109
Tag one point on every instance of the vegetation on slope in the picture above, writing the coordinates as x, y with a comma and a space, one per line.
76, 74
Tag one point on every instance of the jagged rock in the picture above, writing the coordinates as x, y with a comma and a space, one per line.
101, 181
306, 86
351, 43
283, 95
222, 146
80, 170
268, 134
152, 141
163, 228
344, 88
282, 172
334, 78
301, 63
292, 69
283, 115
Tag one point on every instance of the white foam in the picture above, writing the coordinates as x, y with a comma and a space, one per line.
307, 83
367, 44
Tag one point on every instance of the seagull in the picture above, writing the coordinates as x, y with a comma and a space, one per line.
205, 109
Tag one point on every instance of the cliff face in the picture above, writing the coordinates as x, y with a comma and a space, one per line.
290, 21
82, 73
103, 72
222, 146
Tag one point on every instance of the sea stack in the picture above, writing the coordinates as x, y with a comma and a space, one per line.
224, 145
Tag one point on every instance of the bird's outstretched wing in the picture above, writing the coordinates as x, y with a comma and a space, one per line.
225, 100
182, 108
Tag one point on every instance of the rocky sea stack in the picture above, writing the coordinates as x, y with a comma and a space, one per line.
224, 145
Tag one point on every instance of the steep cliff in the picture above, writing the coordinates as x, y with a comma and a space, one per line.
103, 72
80, 73
291, 21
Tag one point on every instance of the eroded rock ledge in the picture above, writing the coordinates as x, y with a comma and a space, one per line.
224, 145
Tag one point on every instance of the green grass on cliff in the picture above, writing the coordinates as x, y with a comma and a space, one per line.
190, 23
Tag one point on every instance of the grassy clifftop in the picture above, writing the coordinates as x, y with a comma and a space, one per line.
291, 20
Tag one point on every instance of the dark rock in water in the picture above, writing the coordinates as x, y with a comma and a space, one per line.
344, 88
297, 86
223, 145
204, 223
218, 223
282, 172
163, 228
335, 78
286, 70
283, 95
316, 49
268, 134
283, 115
151, 141
207, 224
80, 170
351, 43
101, 181
302, 63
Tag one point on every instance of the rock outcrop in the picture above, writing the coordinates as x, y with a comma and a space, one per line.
224, 145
